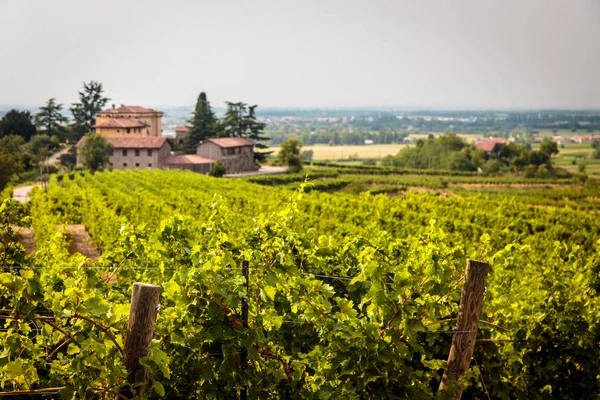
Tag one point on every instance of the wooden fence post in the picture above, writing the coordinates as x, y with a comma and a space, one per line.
463, 340
244, 355
142, 316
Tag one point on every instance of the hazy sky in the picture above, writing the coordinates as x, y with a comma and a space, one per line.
419, 53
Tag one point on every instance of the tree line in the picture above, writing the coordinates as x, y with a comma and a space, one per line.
26, 140
450, 152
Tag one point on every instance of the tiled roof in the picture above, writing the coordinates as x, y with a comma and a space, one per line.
134, 142
129, 109
230, 142
181, 129
187, 159
120, 123
488, 145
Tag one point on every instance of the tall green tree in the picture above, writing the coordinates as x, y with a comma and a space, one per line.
17, 123
50, 119
91, 102
95, 152
255, 131
240, 121
549, 147
232, 123
202, 125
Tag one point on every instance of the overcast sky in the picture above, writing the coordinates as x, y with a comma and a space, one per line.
286, 53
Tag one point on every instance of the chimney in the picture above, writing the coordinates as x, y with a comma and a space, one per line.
113, 106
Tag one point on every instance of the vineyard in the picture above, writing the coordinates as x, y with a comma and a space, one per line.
349, 296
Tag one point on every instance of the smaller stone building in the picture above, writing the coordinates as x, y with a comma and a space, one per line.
236, 154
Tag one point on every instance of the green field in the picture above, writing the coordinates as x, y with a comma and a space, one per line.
574, 154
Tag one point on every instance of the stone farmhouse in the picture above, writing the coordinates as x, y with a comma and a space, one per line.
135, 152
136, 136
236, 154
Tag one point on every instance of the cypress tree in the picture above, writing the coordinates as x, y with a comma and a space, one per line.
202, 125
91, 103
50, 119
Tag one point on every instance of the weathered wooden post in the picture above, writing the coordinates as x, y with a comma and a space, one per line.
463, 340
142, 316
245, 265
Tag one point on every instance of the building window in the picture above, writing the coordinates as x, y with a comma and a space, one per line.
128, 130
117, 131
149, 153
124, 152
231, 151
137, 152
137, 164
124, 164
150, 165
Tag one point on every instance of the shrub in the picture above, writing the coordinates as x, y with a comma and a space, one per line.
217, 170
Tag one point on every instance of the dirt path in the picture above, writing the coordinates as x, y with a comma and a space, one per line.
26, 238
22, 193
78, 236
264, 170
54, 157
80, 242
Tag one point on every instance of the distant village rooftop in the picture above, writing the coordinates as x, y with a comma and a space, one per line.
489, 145
181, 129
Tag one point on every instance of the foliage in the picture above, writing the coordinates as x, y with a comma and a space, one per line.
17, 123
202, 125
452, 153
40, 147
95, 152
348, 296
289, 154
444, 152
9, 166
549, 147
217, 170
91, 102
50, 119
